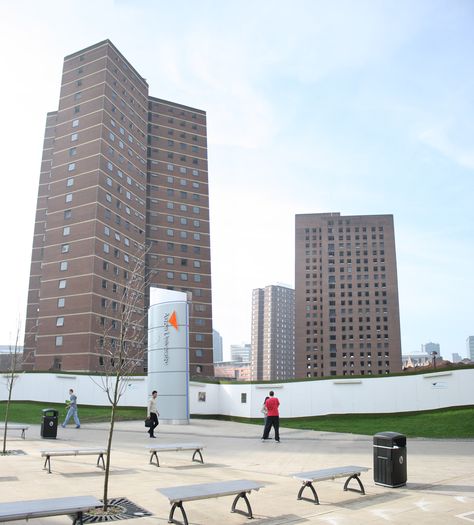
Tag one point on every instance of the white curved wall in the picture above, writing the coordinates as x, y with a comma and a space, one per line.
298, 399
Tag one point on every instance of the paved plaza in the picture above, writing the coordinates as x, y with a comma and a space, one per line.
440, 488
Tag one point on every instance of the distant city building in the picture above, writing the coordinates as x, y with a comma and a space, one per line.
121, 171
457, 358
240, 352
470, 347
217, 352
6, 349
6, 357
416, 359
429, 348
347, 313
273, 333
237, 370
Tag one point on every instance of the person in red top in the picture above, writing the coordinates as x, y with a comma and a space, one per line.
273, 417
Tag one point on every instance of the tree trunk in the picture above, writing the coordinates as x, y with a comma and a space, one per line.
7, 408
109, 442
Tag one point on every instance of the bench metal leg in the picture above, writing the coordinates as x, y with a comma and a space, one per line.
197, 451
313, 490
77, 518
356, 477
242, 495
47, 462
178, 504
154, 455
101, 458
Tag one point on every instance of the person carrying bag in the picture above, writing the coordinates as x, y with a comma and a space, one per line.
151, 422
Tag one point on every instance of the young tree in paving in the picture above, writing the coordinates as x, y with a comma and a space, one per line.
14, 365
122, 344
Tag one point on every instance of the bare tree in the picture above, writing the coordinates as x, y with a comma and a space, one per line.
122, 345
11, 376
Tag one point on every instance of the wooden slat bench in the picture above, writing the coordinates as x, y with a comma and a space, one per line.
308, 478
15, 426
48, 454
40, 508
175, 447
239, 488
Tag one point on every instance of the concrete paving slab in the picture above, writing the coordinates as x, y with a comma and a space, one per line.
440, 488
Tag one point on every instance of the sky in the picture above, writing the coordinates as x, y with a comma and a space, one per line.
358, 107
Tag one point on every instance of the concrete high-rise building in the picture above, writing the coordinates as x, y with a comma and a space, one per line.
347, 316
240, 352
123, 178
273, 333
432, 349
470, 347
217, 354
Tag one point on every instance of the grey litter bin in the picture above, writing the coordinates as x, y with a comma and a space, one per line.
390, 459
49, 423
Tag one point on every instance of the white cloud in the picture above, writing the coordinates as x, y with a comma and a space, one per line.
437, 139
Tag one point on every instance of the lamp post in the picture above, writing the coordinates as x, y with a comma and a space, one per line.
434, 354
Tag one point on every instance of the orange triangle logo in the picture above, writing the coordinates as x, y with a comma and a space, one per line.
173, 320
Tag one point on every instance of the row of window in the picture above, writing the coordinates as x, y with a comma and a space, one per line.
184, 276
341, 230
183, 234
344, 373
182, 169
182, 182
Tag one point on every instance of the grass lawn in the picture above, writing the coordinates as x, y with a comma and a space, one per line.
30, 412
443, 423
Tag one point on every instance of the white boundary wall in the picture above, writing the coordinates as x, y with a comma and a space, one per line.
298, 399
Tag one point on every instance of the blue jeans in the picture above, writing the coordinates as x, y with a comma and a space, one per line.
72, 412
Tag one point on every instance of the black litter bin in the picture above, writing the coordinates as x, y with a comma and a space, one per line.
390, 459
49, 423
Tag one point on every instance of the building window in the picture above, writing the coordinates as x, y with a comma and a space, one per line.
66, 230
69, 197
61, 302
106, 248
243, 397
74, 137
65, 248
75, 123
63, 266
72, 166
60, 321
67, 214
59, 340
62, 283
